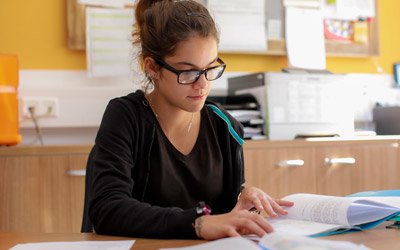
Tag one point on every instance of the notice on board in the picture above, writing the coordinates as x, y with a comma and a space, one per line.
108, 41
241, 24
305, 38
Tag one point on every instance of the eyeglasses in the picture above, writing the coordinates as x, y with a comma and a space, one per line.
186, 77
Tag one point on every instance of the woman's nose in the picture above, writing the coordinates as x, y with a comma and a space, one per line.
201, 82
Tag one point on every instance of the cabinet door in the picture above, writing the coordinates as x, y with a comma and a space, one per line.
37, 194
375, 167
279, 171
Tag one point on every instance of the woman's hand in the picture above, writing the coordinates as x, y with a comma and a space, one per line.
234, 223
254, 197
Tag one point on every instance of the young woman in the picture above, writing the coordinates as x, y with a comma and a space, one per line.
166, 163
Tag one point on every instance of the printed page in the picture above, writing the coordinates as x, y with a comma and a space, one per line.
319, 208
302, 227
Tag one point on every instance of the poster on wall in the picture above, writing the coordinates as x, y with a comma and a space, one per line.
109, 49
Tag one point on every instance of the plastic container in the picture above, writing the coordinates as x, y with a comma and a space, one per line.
9, 123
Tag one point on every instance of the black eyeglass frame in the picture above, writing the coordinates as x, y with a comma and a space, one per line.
200, 72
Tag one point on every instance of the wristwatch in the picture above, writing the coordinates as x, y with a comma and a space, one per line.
202, 209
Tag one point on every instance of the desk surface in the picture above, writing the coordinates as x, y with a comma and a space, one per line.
377, 239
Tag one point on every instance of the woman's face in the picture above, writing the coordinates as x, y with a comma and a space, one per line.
197, 53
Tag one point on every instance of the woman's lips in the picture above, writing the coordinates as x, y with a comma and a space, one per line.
197, 97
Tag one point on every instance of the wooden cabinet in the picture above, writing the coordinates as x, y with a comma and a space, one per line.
42, 190
376, 166
38, 191
280, 168
335, 167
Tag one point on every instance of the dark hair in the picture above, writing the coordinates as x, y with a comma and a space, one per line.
161, 25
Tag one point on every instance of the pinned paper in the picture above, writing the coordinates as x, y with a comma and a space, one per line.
305, 41
108, 41
104, 3
241, 23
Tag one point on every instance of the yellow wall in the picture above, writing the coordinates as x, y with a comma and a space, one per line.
36, 30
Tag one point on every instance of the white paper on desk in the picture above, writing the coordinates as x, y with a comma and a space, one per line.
233, 243
276, 241
109, 50
77, 245
241, 23
305, 41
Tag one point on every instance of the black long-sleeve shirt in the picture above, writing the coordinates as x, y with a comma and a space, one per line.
121, 171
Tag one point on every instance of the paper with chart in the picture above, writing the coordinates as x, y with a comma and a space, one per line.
241, 24
109, 49
107, 3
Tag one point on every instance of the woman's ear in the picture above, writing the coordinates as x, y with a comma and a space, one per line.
151, 68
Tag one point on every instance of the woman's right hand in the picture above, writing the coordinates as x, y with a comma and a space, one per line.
234, 223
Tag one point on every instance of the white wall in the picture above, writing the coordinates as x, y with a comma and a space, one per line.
82, 100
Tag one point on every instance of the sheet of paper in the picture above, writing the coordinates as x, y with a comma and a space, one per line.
77, 245
241, 24
305, 41
105, 3
301, 227
275, 241
109, 50
302, 3
354, 9
235, 243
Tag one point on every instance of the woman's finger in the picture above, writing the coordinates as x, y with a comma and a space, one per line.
247, 224
285, 203
266, 202
262, 222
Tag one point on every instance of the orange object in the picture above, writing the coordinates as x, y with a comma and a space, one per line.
9, 124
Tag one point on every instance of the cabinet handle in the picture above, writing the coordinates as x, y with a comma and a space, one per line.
339, 161
81, 172
290, 163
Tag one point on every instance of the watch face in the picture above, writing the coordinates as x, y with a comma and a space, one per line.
199, 210
203, 209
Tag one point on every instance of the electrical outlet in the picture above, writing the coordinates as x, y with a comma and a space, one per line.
48, 107
30, 103
40, 106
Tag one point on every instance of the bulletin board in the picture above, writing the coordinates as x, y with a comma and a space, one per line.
76, 25
76, 22
76, 37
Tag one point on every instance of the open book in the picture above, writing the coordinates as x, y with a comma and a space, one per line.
321, 215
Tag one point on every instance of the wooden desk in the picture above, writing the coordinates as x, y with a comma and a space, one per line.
377, 239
